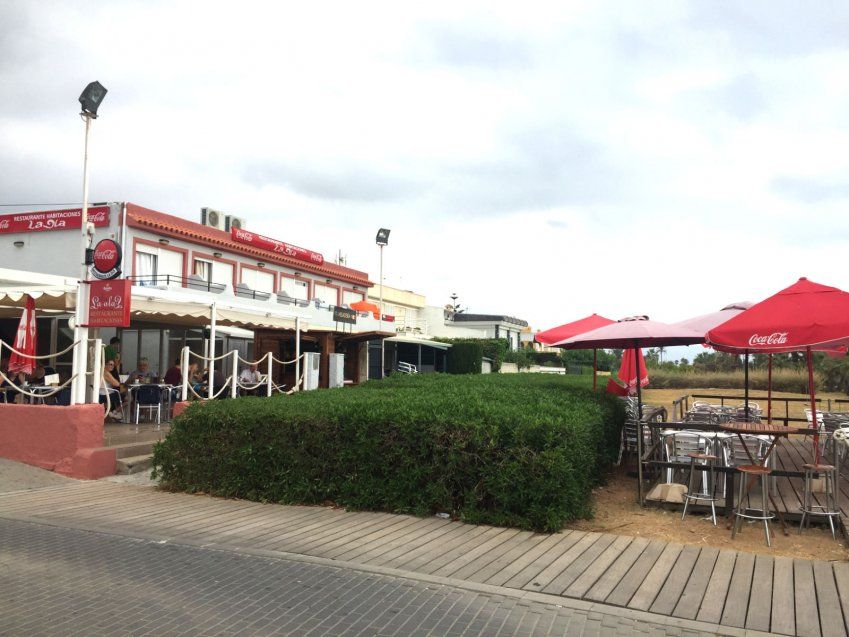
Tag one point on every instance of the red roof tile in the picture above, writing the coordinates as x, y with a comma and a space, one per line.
177, 227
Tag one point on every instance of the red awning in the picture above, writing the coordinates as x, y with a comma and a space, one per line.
568, 330
633, 332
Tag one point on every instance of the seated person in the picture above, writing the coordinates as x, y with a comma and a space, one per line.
217, 382
37, 376
250, 377
142, 373
117, 393
174, 375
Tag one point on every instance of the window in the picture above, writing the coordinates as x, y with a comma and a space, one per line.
326, 294
222, 273
258, 280
170, 263
203, 269
349, 297
296, 288
146, 267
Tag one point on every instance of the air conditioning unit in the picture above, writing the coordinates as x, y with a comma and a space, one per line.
212, 218
312, 364
233, 222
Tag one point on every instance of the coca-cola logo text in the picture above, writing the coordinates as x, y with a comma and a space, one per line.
776, 338
107, 259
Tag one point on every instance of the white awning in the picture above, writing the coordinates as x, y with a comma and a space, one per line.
419, 341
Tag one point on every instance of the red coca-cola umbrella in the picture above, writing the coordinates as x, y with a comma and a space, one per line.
628, 372
25, 340
634, 333
803, 317
568, 330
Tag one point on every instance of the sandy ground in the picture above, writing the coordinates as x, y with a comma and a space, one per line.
617, 512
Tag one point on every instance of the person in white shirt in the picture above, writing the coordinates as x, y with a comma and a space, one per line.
250, 376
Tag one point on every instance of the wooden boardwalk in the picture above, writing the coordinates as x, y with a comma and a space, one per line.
781, 595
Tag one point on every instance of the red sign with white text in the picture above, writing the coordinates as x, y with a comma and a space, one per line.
109, 303
52, 220
273, 245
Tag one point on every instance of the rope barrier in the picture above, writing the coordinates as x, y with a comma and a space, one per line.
247, 362
38, 394
277, 360
226, 385
36, 358
208, 358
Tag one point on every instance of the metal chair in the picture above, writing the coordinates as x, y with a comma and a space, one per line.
829, 508
679, 447
149, 397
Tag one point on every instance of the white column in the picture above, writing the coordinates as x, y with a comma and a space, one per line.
97, 367
268, 375
184, 368
380, 323
79, 365
297, 353
234, 377
210, 369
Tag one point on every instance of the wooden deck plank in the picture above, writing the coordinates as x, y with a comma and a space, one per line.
382, 529
634, 575
653, 582
520, 563
487, 533
563, 544
386, 543
674, 585
713, 602
404, 549
519, 542
841, 577
739, 590
572, 572
828, 601
337, 533
459, 561
507, 559
259, 527
807, 617
783, 619
556, 566
595, 571
691, 597
759, 614
435, 549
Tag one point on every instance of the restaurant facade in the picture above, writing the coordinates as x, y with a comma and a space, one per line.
266, 295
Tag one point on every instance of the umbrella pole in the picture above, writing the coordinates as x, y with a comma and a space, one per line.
595, 367
746, 383
814, 422
639, 426
769, 390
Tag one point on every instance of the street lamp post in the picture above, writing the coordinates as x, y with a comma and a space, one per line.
90, 100
382, 240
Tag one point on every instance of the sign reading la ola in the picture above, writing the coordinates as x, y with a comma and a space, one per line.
273, 245
47, 220
109, 303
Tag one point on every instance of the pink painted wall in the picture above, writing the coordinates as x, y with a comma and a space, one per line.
67, 440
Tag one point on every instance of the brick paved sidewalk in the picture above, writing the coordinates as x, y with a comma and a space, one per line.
58, 581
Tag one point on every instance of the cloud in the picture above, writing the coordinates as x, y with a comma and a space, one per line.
811, 190
473, 46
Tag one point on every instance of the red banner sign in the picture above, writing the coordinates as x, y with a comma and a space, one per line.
273, 245
109, 303
52, 220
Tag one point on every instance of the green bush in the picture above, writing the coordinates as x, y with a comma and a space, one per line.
517, 450
493, 348
464, 358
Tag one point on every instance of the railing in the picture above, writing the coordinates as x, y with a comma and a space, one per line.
411, 326
681, 406
407, 368
173, 280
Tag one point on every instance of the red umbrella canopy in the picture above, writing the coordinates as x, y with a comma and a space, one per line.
706, 322
636, 331
568, 330
806, 314
628, 370
25, 340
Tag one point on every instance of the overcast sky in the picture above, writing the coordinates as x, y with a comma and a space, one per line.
542, 160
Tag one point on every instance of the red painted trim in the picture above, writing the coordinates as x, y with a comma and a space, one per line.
309, 282
214, 259
243, 266
170, 226
155, 244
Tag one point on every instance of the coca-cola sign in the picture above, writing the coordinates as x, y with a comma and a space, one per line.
273, 245
768, 340
109, 303
107, 259
52, 220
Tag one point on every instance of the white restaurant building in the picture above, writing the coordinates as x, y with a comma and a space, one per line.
182, 271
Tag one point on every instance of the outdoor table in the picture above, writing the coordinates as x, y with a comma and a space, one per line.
776, 432
42, 390
131, 389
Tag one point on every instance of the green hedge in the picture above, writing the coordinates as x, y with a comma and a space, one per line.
464, 358
493, 348
516, 450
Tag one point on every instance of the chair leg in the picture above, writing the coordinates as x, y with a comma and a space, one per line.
740, 494
712, 492
765, 506
689, 488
